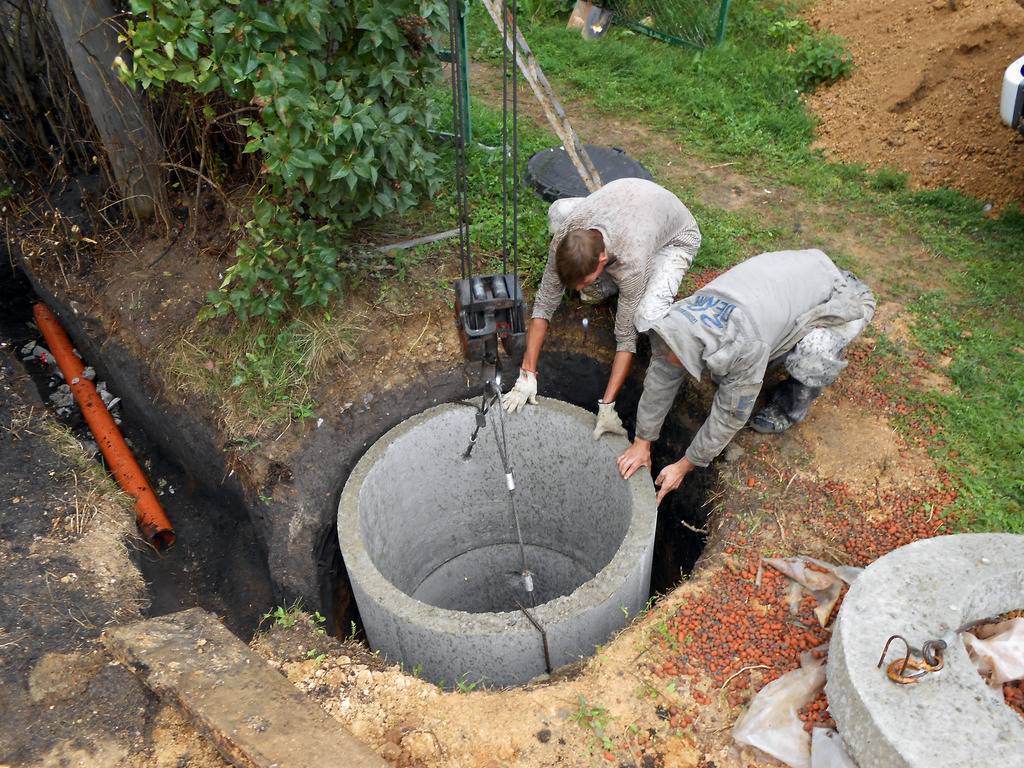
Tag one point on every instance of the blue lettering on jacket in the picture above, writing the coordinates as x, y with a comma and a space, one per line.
709, 310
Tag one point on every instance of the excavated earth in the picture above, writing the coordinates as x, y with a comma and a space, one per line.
924, 94
67, 574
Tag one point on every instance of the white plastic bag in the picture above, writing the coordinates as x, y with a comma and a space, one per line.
997, 650
772, 722
828, 750
823, 587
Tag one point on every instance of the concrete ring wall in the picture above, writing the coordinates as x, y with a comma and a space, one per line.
926, 590
413, 505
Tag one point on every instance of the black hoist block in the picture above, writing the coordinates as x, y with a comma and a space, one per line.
489, 308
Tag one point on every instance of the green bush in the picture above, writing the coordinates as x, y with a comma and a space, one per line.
333, 98
821, 59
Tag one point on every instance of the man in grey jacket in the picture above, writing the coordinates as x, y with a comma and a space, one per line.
631, 237
790, 307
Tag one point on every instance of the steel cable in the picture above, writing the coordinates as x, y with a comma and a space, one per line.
459, 139
515, 155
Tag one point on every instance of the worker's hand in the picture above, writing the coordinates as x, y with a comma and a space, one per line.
672, 476
524, 391
608, 420
636, 456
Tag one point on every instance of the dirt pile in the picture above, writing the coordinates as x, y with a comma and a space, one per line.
924, 94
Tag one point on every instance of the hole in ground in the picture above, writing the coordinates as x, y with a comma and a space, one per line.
580, 380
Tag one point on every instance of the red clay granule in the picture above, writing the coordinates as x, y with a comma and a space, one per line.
736, 624
816, 714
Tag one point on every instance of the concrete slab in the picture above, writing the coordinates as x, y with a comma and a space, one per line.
926, 590
250, 711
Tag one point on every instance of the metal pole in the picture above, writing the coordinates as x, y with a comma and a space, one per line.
657, 34
723, 15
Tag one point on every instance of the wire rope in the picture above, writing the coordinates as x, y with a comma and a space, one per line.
504, 137
458, 137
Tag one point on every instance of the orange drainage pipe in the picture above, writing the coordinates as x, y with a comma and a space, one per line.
149, 514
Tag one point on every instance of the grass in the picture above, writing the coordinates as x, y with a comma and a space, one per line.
593, 718
738, 101
972, 320
261, 374
95, 521
98, 501
288, 616
465, 685
485, 191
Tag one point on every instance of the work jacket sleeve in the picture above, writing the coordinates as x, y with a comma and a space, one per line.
630, 293
660, 388
549, 294
734, 400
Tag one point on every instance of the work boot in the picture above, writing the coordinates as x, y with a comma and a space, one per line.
770, 420
788, 406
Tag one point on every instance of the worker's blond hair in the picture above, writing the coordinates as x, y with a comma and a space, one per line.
577, 255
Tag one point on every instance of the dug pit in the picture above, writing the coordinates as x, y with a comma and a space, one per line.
433, 556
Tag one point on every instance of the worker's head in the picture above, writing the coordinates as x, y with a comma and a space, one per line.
580, 258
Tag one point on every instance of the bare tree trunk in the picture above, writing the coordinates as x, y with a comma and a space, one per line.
125, 127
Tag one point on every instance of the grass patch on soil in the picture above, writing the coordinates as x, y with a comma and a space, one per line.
98, 501
977, 328
259, 373
484, 176
92, 516
741, 100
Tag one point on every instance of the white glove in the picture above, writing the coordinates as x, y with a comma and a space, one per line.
608, 420
524, 391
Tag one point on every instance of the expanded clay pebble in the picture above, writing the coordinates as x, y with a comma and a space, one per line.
736, 624
816, 715
739, 633
1013, 695
912, 517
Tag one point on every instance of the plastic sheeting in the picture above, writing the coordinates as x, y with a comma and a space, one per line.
828, 750
772, 722
823, 587
997, 650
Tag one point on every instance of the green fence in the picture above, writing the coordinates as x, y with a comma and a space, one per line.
691, 23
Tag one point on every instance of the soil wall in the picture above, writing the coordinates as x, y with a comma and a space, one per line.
293, 510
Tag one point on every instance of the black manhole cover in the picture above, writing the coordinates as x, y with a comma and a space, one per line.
552, 175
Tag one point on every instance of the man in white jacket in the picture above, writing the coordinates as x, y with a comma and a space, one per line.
794, 308
631, 237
